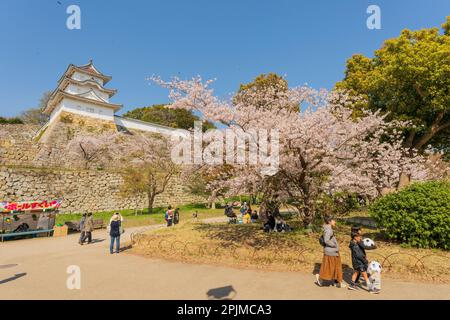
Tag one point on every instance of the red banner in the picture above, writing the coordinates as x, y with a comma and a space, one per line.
9, 207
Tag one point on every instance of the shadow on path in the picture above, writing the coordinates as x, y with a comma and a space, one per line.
222, 293
15, 277
125, 248
7, 266
346, 270
97, 240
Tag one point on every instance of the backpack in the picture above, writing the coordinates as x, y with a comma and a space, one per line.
322, 241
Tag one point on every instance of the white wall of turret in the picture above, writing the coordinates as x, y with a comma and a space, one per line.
83, 109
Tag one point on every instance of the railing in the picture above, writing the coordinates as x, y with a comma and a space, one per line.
292, 255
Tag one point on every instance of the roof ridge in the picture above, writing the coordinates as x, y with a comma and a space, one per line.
93, 91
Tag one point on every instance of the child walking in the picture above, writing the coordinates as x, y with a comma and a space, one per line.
359, 260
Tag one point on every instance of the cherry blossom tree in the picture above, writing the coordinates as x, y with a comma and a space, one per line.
148, 168
207, 181
89, 150
322, 148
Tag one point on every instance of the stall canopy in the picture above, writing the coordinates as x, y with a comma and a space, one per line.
10, 207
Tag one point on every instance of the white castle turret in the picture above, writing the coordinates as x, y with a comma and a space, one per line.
81, 90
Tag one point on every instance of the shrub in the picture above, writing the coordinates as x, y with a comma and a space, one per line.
418, 215
10, 120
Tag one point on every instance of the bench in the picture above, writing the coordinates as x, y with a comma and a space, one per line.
18, 234
99, 224
75, 225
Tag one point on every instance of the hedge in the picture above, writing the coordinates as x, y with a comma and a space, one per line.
418, 215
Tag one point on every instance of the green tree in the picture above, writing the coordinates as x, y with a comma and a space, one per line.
266, 81
174, 118
10, 120
35, 115
264, 91
409, 79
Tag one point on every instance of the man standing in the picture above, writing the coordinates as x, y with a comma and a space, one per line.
82, 233
176, 216
88, 228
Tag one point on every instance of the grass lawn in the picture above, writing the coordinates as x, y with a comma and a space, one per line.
247, 246
143, 218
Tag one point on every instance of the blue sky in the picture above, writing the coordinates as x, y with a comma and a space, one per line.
231, 40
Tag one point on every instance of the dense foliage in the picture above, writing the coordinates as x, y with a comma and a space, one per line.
408, 79
161, 114
10, 120
418, 215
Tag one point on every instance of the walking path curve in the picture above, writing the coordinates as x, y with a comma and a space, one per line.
37, 269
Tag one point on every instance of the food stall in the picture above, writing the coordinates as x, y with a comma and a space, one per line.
30, 218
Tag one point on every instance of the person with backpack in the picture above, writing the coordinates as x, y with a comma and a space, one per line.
331, 268
169, 216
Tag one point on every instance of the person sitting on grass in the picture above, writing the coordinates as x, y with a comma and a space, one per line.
254, 216
269, 225
244, 209
247, 218
230, 213
359, 261
281, 225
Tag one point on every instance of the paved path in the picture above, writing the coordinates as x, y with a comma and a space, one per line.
36, 269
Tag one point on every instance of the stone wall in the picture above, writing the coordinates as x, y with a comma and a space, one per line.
34, 167
82, 190
16, 144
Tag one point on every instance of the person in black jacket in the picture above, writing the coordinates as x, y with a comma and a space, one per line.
359, 260
114, 232
176, 216
269, 225
358, 230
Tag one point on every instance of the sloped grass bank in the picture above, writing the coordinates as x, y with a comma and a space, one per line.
247, 246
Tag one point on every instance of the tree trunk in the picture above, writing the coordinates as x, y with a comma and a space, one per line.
435, 128
308, 213
252, 199
151, 200
405, 180
212, 200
